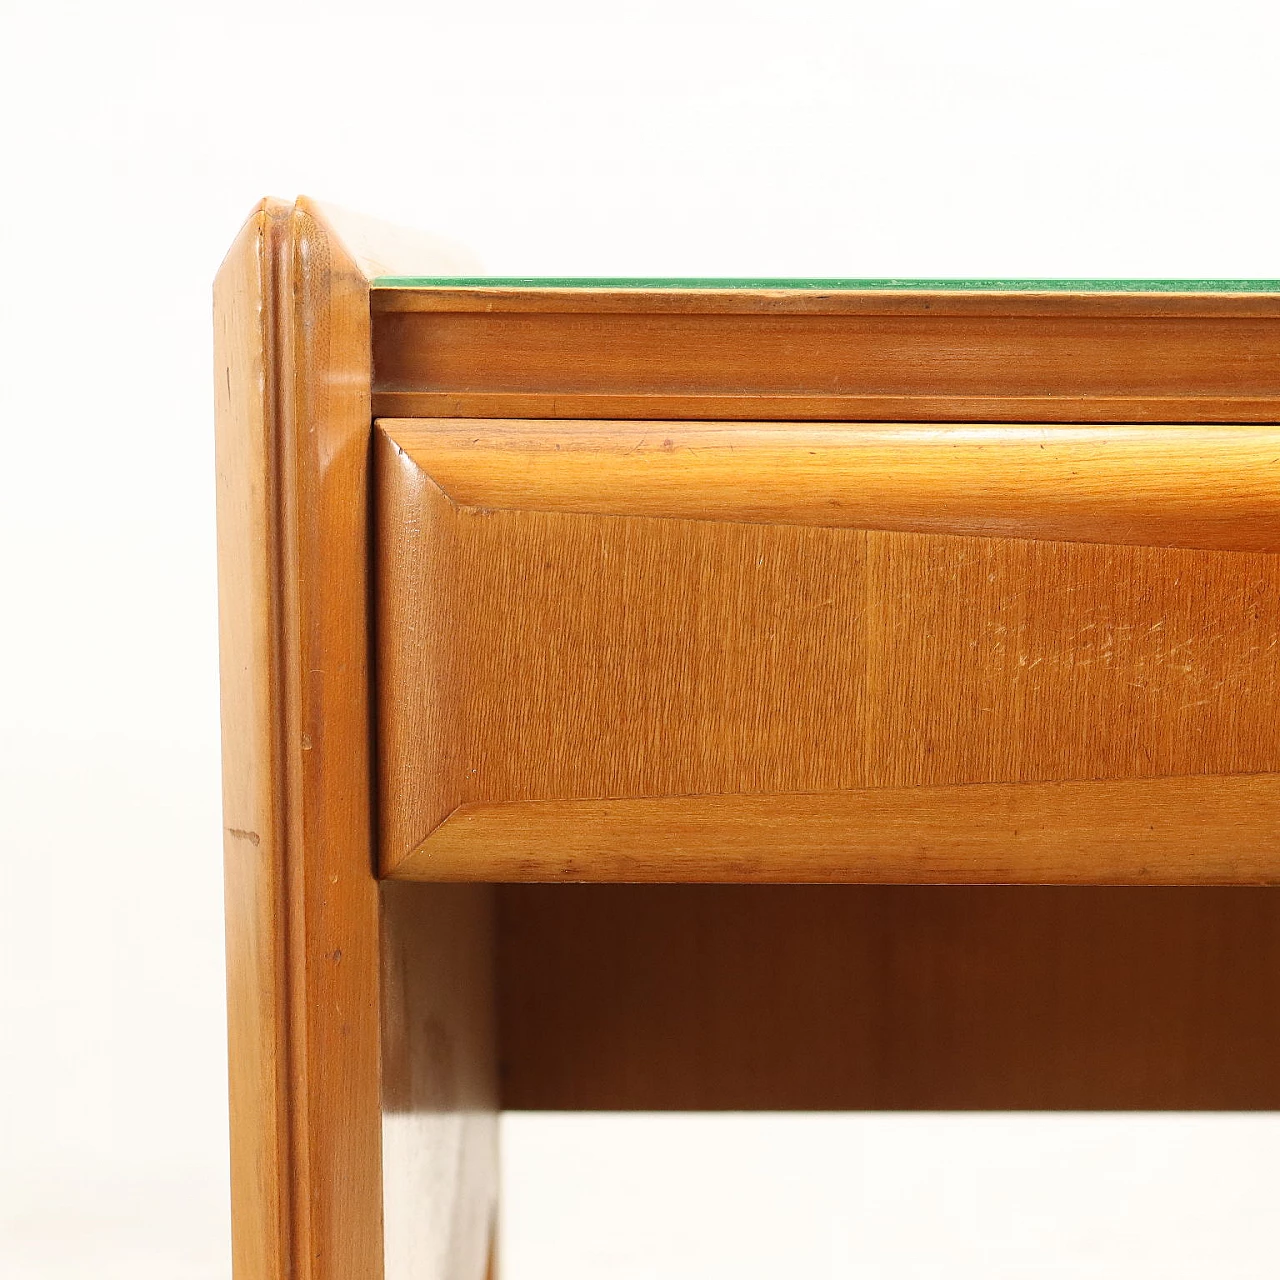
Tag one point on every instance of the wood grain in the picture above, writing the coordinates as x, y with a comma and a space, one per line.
1192, 830
302, 921
693, 997
826, 408
793, 355
333, 900
254, 834
549, 655
1169, 486
698, 651
305, 944
1053, 304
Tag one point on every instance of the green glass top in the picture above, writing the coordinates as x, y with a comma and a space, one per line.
765, 282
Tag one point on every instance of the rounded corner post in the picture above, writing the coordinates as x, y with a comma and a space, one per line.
293, 423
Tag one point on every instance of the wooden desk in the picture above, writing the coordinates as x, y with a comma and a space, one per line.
783, 610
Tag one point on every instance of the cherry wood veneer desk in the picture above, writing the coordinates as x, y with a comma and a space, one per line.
751, 609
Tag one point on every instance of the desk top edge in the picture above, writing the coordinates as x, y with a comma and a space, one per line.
709, 284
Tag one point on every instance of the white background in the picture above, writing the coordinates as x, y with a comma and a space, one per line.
787, 138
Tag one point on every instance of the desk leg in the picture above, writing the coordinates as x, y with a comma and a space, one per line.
305, 924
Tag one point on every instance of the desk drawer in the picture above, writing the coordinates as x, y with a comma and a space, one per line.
688, 651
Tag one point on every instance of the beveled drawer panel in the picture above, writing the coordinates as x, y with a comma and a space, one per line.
690, 651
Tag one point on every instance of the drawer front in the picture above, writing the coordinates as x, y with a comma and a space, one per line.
690, 651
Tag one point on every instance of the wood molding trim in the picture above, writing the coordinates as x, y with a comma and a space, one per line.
768, 407
1129, 831
1212, 487
388, 299
840, 356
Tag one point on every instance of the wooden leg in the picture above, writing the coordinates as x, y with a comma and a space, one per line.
309, 939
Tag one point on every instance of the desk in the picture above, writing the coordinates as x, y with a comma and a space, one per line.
726, 694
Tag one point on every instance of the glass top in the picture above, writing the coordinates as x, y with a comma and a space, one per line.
766, 282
